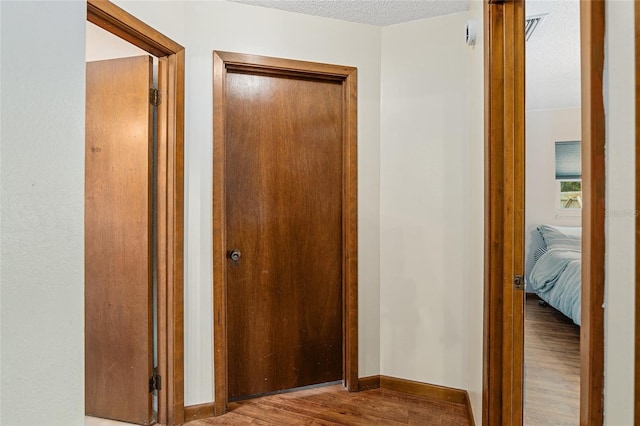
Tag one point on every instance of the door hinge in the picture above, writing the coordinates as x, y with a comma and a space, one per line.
154, 97
518, 282
155, 382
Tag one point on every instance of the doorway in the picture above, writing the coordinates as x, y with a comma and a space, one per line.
169, 206
552, 209
285, 237
502, 398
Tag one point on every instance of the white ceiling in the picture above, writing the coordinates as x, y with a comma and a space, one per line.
552, 55
373, 12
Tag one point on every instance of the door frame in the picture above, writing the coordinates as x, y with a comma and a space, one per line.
222, 62
504, 126
170, 193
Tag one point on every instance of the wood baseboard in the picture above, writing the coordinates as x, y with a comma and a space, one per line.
472, 421
368, 383
199, 412
411, 387
441, 393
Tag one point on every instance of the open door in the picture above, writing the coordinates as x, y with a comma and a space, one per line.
118, 240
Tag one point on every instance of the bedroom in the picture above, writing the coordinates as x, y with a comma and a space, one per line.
553, 214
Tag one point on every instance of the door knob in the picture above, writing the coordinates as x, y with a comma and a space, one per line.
235, 255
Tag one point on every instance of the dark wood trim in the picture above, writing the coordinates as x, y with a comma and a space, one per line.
170, 197
636, 410
493, 365
162, 253
350, 229
222, 62
502, 395
198, 412
219, 240
441, 393
592, 27
467, 403
126, 26
512, 204
368, 383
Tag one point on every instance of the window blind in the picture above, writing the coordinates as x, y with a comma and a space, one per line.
568, 164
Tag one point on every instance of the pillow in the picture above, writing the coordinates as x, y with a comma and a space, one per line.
562, 237
539, 252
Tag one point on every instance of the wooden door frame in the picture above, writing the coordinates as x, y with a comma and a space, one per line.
504, 76
223, 61
170, 193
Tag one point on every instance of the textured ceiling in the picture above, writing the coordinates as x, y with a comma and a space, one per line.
373, 12
553, 56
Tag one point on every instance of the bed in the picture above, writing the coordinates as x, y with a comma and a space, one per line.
555, 275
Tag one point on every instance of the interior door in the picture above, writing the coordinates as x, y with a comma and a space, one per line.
118, 240
283, 186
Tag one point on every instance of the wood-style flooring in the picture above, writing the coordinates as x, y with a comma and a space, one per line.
332, 405
552, 367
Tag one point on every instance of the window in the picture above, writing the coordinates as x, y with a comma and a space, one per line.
568, 176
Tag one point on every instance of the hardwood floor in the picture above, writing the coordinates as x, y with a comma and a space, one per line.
552, 367
332, 405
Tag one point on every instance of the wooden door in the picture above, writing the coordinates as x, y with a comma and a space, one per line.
283, 186
118, 246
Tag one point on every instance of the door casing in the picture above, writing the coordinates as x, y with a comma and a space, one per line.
223, 61
504, 125
170, 193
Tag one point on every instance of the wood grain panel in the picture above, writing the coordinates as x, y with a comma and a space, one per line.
283, 209
226, 63
118, 299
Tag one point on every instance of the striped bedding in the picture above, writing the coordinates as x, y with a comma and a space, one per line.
555, 277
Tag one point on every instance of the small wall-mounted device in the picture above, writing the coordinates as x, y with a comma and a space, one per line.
471, 32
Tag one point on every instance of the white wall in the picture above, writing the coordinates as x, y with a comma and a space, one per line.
425, 202
208, 25
427, 192
41, 212
619, 83
475, 213
101, 44
543, 129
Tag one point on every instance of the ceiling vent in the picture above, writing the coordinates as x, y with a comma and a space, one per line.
531, 24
